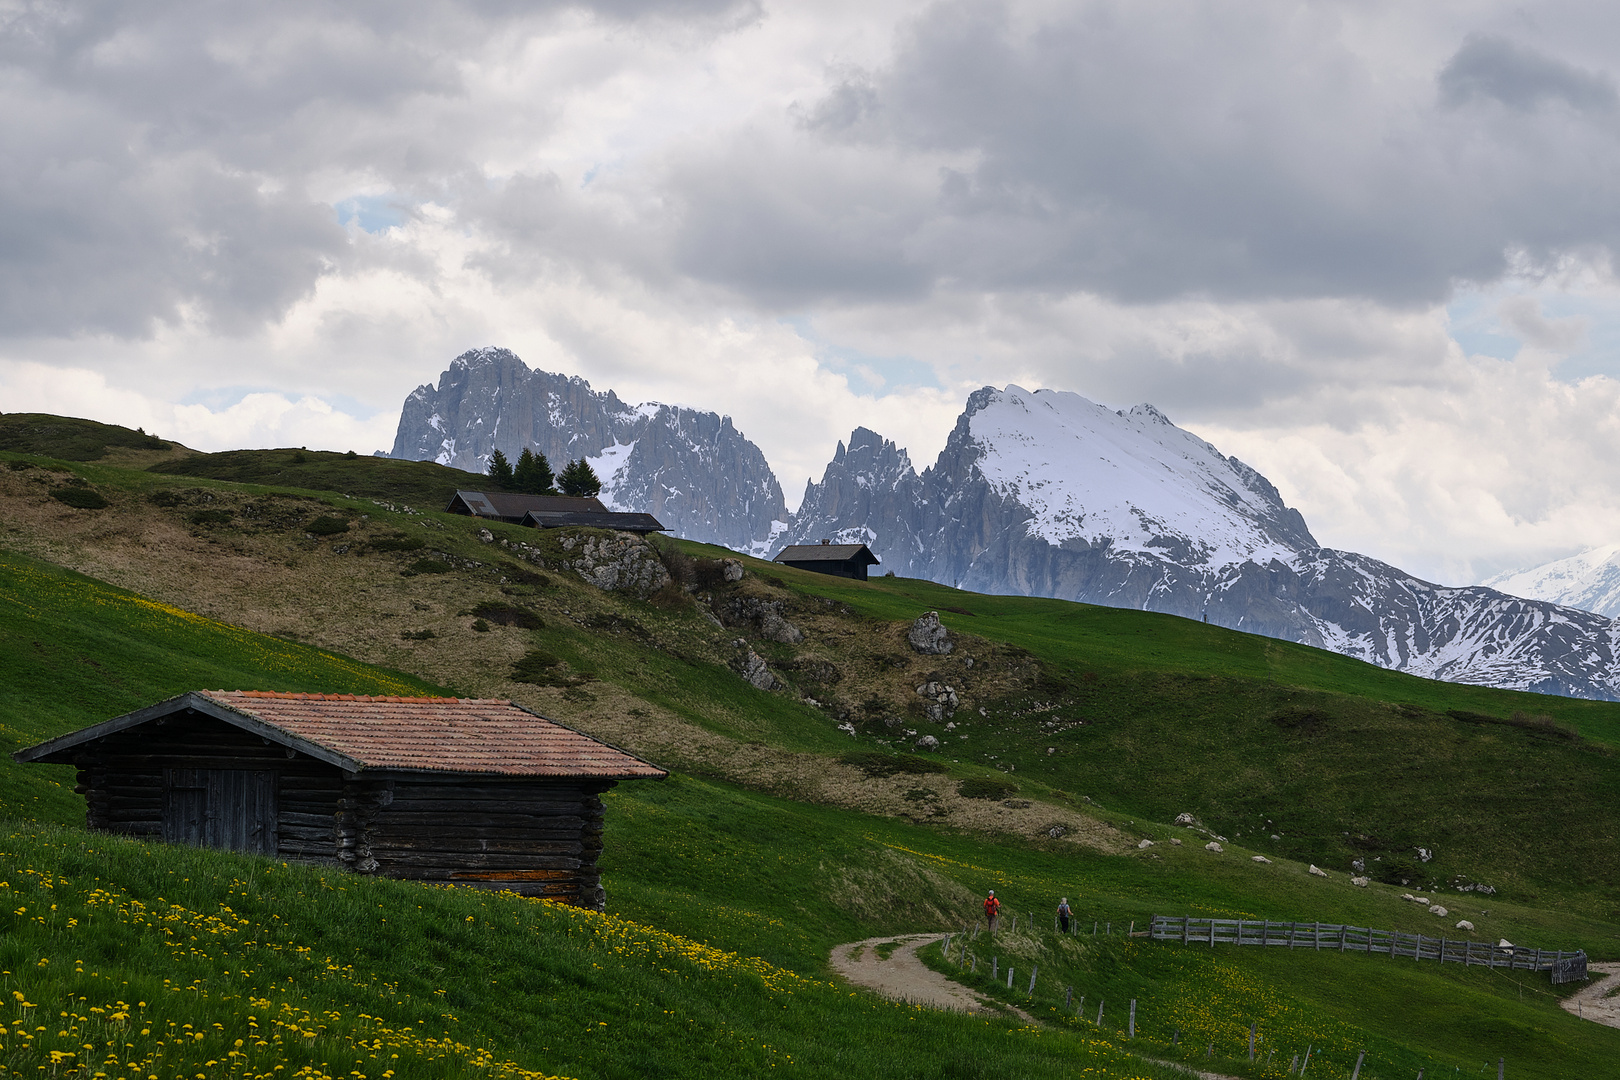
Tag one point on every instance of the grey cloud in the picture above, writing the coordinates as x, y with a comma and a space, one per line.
159, 155
1150, 151
1492, 67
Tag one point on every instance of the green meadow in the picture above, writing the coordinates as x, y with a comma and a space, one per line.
725, 901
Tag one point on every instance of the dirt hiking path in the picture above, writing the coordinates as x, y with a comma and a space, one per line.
903, 977
1594, 1003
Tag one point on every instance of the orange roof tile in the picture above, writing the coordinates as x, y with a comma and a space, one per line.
459, 735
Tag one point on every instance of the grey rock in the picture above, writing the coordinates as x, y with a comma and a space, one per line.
732, 570
620, 563
756, 672
1186, 820
692, 470
927, 742
929, 636
763, 616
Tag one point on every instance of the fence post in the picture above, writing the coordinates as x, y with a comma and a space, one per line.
1501, 1066
995, 967
1131, 1031
1316, 936
1068, 997
1100, 1005
1080, 1009
1417, 949
1032, 974
1009, 976
1252, 1026
1305, 1066
1359, 1059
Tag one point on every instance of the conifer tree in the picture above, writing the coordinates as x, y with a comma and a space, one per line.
500, 471
579, 479
532, 476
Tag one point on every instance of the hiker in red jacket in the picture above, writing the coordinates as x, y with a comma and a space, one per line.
992, 909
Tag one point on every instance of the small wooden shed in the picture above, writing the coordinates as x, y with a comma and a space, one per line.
471, 792
549, 511
839, 560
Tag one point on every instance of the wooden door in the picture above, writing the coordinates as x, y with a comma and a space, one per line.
233, 809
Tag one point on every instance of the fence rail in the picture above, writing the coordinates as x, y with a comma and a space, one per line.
1565, 966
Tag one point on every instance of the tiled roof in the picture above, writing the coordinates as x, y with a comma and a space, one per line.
458, 735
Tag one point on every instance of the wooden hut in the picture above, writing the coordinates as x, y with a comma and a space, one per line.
839, 560
549, 511
473, 792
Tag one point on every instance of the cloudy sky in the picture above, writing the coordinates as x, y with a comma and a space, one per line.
1367, 247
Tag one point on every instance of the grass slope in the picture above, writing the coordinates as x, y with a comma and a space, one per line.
421, 484
734, 870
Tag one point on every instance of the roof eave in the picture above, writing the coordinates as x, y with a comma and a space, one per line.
196, 701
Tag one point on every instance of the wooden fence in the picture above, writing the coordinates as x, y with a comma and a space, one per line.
1565, 966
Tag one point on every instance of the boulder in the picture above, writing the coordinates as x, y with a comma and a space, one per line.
1176, 841
1464, 924
732, 570
927, 742
929, 636
1436, 909
1505, 944
1361, 882
777, 629
752, 666
1260, 859
1185, 820
1213, 846
1317, 871
1141, 845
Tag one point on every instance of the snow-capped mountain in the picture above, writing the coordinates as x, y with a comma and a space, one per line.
693, 470
1049, 494
1044, 494
1589, 581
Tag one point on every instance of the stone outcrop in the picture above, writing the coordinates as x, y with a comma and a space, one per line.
941, 700
619, 563
929, 636
764, 617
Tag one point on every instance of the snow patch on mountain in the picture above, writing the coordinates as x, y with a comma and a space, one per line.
1589, 581
611, 467
1133, 481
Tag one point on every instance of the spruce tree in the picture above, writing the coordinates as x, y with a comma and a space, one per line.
580, 479
500, 471
532, 476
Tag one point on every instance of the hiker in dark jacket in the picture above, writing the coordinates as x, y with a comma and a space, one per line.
1063, 914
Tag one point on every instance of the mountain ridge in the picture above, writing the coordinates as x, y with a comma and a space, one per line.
1041, 493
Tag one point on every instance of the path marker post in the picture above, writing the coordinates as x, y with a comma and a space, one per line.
1356, 1074
1100, 1005
1009, 976
995, 967
1252, 1026
1303, 1067
1130, 1032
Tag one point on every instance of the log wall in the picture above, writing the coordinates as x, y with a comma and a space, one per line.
534, 837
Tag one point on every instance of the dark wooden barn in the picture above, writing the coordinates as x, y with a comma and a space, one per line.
549, 511
839, 560
472, 792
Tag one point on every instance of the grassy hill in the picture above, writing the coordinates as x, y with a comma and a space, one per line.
784, 834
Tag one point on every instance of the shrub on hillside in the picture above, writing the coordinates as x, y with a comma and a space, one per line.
508, 615
427, 566
398, 542
326, 525
984, 787
875, 763
212, 517
80, 498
